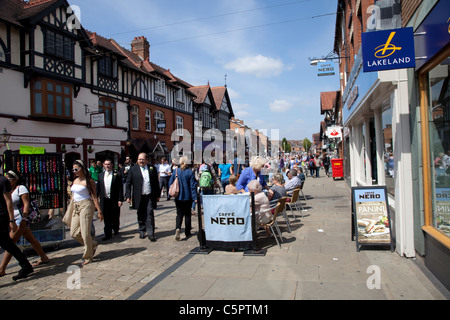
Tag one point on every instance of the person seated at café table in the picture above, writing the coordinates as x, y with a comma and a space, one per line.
231, 187
277, 190
262, 204
293, 181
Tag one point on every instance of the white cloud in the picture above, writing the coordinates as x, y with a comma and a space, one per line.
259, 66
280, 106
241, 110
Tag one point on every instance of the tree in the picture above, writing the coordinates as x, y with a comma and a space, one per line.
306, 144
285, 145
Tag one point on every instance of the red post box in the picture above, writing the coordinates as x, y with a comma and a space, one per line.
337, 166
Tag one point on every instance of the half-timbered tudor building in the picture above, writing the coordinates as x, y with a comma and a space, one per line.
212, 114
49, 83
71, 90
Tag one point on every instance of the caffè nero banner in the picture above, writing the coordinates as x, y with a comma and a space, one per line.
227, 220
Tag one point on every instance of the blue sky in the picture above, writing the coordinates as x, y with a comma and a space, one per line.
262, 46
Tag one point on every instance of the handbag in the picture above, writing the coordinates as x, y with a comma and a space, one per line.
34, 216
174, 189
67, 219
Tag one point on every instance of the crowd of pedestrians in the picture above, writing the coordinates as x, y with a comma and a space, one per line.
102, 189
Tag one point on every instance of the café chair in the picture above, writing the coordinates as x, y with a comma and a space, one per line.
282, 201
292, 202
272, 224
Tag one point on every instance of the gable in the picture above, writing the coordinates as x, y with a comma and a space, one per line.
224, 105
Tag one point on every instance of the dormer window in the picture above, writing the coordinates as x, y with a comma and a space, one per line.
160, 86
59, 45
180, 95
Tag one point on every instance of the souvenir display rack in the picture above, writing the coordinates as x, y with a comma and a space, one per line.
44, 176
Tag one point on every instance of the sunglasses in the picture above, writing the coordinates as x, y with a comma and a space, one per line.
75, 169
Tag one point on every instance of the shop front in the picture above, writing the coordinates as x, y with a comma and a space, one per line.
432, 75
377, 135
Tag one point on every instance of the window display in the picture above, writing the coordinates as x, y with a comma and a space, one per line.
439, 133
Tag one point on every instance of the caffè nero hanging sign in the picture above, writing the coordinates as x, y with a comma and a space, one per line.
388, 49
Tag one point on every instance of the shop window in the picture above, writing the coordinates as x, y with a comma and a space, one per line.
439, 136
51, 99
388, 149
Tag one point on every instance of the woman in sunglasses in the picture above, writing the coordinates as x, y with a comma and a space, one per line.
21, 197
85, 202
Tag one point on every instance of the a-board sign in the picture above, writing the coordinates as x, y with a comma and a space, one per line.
227, 221
371, 219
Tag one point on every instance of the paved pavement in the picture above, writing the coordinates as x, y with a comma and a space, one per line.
317, 260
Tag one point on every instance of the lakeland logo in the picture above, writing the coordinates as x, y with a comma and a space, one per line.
381, 53
395, 52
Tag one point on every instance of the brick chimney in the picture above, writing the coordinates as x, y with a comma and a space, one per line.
141, 47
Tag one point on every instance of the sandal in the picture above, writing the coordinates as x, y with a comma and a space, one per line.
38, 263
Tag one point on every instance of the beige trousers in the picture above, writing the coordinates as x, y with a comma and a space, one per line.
80, 228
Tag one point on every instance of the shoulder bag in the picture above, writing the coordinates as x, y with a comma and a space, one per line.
174, 189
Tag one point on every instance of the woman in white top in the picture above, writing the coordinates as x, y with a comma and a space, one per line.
85, 202
20, 196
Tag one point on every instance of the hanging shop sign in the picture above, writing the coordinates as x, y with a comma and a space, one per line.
98, 120
161, 124
334, 132
388, 49
325, 69
371, 219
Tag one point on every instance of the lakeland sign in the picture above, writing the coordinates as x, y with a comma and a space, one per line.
388, 49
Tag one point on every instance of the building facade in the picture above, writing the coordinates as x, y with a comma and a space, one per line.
429, 96
396, 122
73, 91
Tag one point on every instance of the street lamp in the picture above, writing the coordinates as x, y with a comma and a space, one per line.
5, 135
78, 142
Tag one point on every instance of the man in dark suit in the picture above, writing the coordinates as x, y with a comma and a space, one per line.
144, 179
110, 194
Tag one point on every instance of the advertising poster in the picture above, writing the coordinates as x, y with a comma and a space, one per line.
371, 214
442, 220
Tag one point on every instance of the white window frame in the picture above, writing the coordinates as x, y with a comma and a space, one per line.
180, 125
148, 120
180, 95
158, 115
160, 86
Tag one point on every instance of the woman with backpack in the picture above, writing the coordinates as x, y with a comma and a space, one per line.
186, 197
21, 198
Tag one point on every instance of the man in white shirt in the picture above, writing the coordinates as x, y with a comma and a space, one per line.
146, 192
165, 172
110, 194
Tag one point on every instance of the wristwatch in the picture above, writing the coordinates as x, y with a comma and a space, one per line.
12, 221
